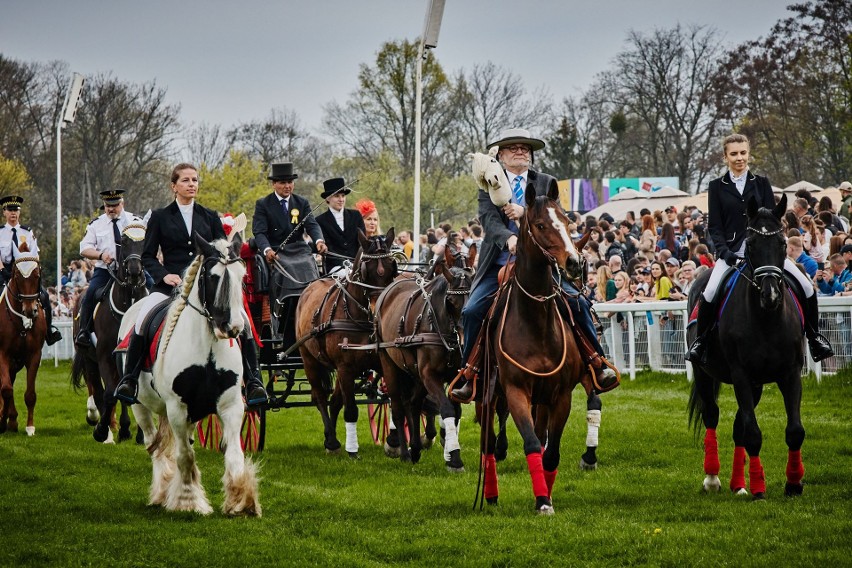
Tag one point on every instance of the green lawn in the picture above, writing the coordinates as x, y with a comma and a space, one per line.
69, 501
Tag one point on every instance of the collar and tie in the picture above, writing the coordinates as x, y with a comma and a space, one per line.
285, 206
15, 235
116, 234
517, 192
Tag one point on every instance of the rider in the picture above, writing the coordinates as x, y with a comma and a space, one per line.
515, 153
15, 233
170, 231
103, 236
727, 198
339, 225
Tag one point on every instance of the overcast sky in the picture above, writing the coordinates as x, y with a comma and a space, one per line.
228, 62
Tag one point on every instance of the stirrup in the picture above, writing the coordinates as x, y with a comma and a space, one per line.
127, 390
467, 392
819, 347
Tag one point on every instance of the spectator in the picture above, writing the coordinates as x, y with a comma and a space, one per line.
627, 239
648, 240
833, 281
605, 289
813, 237
686, 276
846, 196
615, 264
613, 247
846, 253
703, 257
796, 253
800, 208
668, 240
671, 217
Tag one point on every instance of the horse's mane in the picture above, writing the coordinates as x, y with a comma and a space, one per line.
180, 303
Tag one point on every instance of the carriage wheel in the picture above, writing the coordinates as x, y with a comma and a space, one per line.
209, 432
252, 433
379, 421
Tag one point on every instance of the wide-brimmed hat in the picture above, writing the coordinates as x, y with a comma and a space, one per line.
282, 171
845, 186
11, 202
334, 186
517, 136
112, 196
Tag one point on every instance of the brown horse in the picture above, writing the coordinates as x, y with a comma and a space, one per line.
22, 332
532, 356
417, 326
96, 364
332, 314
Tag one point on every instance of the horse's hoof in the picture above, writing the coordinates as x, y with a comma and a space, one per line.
91, 421
332, 447
442, 436
391, 451
584, 466
455, 463
353, 456
332, 452
392, 439
100, 434
491, 501
140, 436
793, 489
415, 457
712, 484
739, 492
426, 442
759, 496
454, 468
30, 430
543, 506
123, 435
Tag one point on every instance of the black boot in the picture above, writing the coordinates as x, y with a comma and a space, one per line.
463, 392
697, 353
84, 336
255, 393
53, 335
128, 388
817, 343
605, 378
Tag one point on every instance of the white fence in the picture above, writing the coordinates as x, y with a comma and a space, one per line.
636, 337
652, 335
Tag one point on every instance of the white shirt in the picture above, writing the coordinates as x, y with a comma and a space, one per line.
186, 212
338, 216
739, 181
512, 178
24, 236
99, 235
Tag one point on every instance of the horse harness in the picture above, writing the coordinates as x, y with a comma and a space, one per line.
202, 283
21, 298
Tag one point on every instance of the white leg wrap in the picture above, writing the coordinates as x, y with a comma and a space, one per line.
351, 436
452, 439
391, 425
440, 422
593, 423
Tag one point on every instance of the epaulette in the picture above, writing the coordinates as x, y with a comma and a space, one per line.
93, 220
25, 227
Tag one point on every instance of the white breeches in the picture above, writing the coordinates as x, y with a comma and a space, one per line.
145, 306
789, 267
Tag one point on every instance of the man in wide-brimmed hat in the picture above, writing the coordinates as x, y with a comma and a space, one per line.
12, 235
515, 152
339, 225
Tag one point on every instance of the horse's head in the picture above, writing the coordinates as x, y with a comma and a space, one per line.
25, 283
766, 250
375, 265
129, 256
220, 285
456, 270
546, 226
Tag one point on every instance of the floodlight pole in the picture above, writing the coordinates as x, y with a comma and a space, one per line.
428, 40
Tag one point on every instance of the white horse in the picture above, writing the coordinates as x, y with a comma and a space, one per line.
198, 371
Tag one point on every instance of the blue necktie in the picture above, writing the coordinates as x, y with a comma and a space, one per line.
517, 191
284, 205
15, 236
116, 234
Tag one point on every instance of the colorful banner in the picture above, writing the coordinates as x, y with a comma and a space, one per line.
586, 194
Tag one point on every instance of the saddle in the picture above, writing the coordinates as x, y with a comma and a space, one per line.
152, 328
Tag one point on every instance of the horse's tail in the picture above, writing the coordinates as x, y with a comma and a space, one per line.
78, 371
696, 402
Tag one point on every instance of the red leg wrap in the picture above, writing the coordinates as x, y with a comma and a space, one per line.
537, 475
490, 476
757, 482
549, 479
711, 453
795, 467
738, 470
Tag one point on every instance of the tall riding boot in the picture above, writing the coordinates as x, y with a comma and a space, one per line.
84, 336
697, 353
53, 334
255, 393
819, 346
128, 388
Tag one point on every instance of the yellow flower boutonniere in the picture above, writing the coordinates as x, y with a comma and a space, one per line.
294, 216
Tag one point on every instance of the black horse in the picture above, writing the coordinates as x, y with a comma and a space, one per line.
758, 340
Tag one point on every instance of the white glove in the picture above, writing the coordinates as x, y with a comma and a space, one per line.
489, 176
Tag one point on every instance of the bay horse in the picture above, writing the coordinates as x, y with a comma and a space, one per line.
417, 327
758, 340
23, 329
532, 358
95, 365
336, 312
197, 372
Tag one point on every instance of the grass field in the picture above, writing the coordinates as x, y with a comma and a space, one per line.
68, 501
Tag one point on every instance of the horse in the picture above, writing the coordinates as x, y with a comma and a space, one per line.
757, 341
23, 330
417, 328
95, 365
334, 313
197, 372
532, 357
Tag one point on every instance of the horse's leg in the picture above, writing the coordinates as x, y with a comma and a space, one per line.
791, 390
124, 424
738, 481
158, 444
520, 408
705, 390
393, 382
185, 492
589, 460
93, 413
501, 448
487, 443
30, 393
557, 418
346, 381
318, 378
541, 416
5, 392
452, 449
415, 410
239, 482
746, 394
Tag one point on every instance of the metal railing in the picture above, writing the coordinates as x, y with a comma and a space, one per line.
652, 335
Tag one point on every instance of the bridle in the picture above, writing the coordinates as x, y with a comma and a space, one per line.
202, 276
21, 298
760, 273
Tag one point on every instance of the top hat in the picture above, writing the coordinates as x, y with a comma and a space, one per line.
282, 171
112, 196
11, 202
334, 186
517, 136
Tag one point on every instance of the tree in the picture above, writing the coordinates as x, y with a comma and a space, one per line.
234, 186
275, 138
13, 178
207, 144
560, 154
